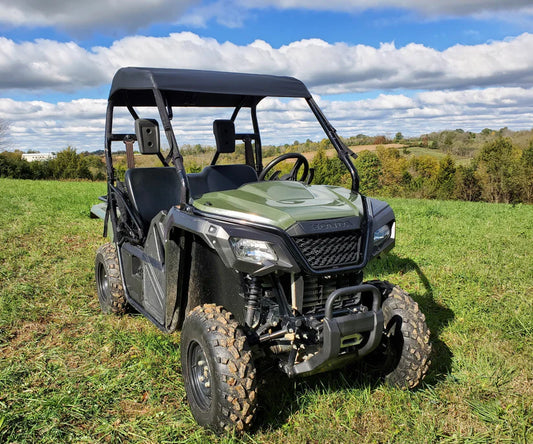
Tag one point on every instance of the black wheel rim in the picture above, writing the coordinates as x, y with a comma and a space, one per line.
199, 376
103, 283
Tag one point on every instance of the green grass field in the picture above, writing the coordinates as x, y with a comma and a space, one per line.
69, 373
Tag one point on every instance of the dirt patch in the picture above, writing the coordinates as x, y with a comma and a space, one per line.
129, 408
27, 332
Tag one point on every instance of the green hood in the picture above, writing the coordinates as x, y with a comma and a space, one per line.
282, 203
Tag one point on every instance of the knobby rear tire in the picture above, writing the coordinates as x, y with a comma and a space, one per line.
109, 281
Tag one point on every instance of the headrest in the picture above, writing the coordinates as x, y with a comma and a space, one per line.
224, 131
147, 132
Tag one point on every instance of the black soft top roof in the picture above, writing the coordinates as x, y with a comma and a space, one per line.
187, 87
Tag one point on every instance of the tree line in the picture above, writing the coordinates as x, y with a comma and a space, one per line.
499, 172
68, 164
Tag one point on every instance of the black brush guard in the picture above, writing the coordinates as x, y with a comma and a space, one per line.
337, 328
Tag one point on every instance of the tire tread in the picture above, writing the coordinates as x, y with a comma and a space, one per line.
415, 357
233, 359
117, 303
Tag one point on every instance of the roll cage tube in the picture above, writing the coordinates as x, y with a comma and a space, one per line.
113, 194
177, 159
165, 112
257, 141
343, 151
255, 136
111, 202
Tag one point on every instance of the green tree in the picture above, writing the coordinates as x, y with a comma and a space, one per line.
467, 186
325, 143
42, 170
193, 167
422, 170
320, 165
369, 168
445, 178
65, 164
498, 165
526, 179
12, 165
328, 171
449, 137
82, 170
394, 177
70, 165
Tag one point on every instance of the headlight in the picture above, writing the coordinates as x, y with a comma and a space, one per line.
255, 251
381, 235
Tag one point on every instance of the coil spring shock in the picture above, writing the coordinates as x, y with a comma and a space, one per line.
252, 300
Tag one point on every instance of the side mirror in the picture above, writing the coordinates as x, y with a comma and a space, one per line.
147, 132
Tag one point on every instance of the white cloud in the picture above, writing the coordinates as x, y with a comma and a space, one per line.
80, 123
233, 13
130, 15
95, 14
50, 127
47, 64
326, 68
435, 7
229, 13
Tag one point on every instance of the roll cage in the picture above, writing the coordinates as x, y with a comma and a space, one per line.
166, 89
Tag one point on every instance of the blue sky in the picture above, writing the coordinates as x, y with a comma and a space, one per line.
377, 66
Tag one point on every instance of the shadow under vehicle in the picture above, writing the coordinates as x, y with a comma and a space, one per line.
255, 267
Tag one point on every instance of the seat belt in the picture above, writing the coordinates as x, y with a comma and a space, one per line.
248, 151
130, 159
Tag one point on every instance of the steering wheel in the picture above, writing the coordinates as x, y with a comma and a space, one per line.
293, 175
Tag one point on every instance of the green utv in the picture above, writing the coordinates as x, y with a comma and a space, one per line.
256, 268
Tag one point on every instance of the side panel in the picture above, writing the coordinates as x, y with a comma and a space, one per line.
144, 273
133, 275
154, 284
212, 282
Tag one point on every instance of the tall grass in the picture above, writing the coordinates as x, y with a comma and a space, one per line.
69, 373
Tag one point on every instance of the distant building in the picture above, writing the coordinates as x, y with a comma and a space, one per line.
39, 157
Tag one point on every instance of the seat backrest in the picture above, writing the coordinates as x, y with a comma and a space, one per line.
220, 178
224, 131
152, 190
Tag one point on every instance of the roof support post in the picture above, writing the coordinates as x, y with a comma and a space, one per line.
177, 158
111, 209
257, 141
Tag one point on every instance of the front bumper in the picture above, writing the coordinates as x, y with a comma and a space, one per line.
331, 355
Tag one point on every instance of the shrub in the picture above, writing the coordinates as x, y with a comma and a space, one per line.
369, 167
498, 171
467, 186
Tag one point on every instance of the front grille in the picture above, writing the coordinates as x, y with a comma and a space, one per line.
329, 250
318, 288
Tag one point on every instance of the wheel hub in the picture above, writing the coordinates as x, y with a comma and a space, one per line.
103, 284
199, 375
